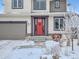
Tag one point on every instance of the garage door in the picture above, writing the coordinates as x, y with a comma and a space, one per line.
13, 29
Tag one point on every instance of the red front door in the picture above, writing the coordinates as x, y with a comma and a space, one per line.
39, 27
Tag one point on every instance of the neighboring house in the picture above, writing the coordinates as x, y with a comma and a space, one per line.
23, 18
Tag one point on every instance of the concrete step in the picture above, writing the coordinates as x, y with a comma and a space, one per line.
38, 38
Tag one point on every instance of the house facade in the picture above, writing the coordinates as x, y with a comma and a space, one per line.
23, 18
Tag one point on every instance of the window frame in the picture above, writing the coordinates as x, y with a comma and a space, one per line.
17, 7
59, 22
39, 2
57, 3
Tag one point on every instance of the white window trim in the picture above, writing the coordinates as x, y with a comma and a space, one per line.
18, 4
59, 29
13, 4
39, 10
57, 4
17, 7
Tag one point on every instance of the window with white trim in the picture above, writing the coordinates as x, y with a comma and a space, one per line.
39, 4
57, 3
59, 23
17, 4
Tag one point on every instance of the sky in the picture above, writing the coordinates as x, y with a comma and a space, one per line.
74, 5
1, 7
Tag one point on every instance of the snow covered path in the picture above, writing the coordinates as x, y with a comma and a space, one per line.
9, 49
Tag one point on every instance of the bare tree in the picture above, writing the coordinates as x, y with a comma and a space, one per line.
72, 21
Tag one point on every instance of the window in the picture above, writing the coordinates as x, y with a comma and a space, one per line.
39, 4
59, 23
17, 4
57, 3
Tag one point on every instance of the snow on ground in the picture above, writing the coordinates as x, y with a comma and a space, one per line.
22, 49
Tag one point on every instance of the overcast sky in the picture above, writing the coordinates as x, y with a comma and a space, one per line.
74, 5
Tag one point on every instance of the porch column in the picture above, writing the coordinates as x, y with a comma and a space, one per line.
32, 26
46, 26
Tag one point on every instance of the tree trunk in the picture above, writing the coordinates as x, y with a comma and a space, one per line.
78, 41
68, 42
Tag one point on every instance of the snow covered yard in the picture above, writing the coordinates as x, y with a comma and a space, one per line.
22, 49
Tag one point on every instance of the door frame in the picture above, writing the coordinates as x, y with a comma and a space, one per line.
33, 25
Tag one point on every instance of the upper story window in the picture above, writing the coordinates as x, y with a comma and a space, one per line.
59, 23
57, 3
17, 4
39, 4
